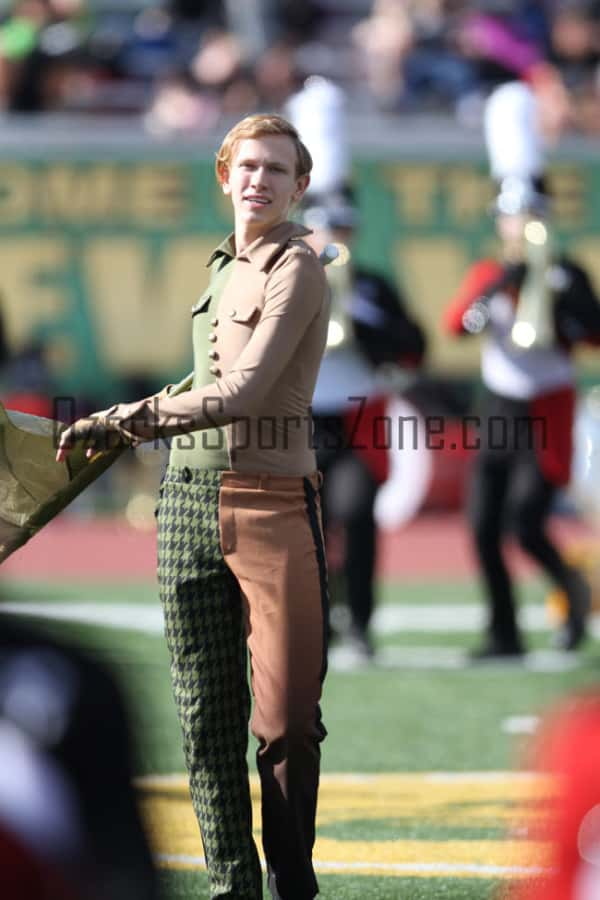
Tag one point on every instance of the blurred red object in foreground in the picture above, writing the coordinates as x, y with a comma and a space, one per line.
568, 749
26, 876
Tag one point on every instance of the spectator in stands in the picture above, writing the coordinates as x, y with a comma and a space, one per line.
436, 73
276, 75
500, 40
187, 65
217, 82
178, 107
575, 49
41, 51
384, 41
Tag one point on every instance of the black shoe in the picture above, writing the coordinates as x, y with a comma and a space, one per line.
579, 595
496, 649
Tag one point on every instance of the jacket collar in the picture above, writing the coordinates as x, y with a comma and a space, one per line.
225, 248
261, 251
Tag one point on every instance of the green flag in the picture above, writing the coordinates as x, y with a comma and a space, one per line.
34, 488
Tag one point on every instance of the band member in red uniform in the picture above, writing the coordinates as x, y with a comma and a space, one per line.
525, 439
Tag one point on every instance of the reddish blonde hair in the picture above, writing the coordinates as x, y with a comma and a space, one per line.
257, 126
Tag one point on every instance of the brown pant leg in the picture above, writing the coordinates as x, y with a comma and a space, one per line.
272, 541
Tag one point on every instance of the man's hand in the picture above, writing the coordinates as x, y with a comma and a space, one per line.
99, 432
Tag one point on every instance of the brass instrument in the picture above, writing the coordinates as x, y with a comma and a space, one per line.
339, 277
534, 323
534, 320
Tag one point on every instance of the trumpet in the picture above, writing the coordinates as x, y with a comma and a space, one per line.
339, 277
534, 323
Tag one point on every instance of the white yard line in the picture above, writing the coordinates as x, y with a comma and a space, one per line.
427, 619
145, 617
449, 618
493, 776
388, 619
451, 658
455, 869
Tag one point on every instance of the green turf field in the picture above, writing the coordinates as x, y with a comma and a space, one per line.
400, 830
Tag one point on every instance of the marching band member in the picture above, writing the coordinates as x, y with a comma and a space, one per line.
525, 444
241, 562
369, 327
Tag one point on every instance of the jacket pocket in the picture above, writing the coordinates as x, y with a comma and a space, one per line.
245, 316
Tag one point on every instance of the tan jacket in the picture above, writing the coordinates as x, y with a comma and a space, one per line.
269, 336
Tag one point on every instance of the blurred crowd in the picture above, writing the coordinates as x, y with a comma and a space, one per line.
186, 64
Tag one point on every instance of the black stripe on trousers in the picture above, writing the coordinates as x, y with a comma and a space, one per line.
310, 495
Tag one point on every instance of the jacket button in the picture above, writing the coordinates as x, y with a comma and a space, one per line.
232, 312
212, 337
212, 354
186, 473
214, 370
214, 322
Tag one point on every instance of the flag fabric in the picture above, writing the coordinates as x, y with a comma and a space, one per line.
34, 488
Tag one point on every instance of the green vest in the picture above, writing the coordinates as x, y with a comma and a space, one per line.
206, 449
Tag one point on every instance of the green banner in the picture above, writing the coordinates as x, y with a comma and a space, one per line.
102, 260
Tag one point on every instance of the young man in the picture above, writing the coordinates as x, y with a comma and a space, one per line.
241, 560
527, 406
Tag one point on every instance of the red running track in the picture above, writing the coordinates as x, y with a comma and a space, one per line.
434, 545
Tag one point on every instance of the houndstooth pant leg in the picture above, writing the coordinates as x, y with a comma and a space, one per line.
206, 637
